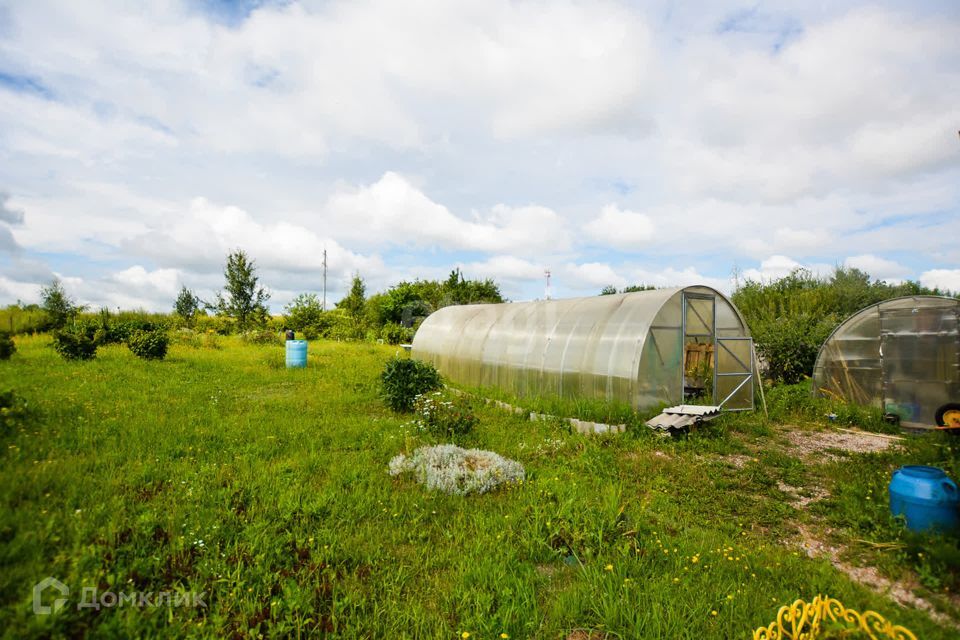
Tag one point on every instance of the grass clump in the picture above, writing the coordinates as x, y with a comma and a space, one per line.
149, 345
443, 416
796, 402
449, 469
403, 379
13, 411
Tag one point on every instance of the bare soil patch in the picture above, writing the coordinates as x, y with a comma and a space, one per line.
900, 591
801, 497
820, 444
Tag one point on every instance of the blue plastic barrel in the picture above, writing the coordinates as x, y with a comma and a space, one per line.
296, 353
926, 496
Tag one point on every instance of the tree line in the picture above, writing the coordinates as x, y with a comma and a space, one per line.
789, 317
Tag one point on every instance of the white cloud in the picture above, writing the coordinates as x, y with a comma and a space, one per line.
775, 126
484, 132
879, 268
205, 233
772, 268
945, 279
393, 211
621, 228
162, 281
590, 275
13, 290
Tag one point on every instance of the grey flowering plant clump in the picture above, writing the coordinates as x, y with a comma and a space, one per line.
456, 471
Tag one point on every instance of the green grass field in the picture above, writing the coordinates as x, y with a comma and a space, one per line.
218, 471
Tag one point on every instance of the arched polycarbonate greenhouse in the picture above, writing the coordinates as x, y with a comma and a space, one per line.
640, 348
902, 355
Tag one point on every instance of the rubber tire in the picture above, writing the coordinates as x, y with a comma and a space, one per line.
950, 406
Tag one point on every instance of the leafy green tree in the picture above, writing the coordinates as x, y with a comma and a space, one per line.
187, 306
305, 312
354, 305
57, 305
791, 317
245, 300
459, 290
608, 290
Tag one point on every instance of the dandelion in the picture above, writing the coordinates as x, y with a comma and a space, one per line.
609, 567
504, 635
714, 612
465, 635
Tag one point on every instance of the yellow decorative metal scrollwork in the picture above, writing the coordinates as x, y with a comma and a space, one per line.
807, 620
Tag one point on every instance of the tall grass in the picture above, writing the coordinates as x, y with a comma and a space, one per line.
220, 471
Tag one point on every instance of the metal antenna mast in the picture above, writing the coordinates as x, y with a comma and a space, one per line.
324, 279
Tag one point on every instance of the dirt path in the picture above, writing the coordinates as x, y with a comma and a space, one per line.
823, 446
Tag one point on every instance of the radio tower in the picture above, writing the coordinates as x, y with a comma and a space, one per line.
548, 294
324, 280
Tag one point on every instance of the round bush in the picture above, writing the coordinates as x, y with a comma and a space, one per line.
75, 344
149, 345
7, 347
403, 379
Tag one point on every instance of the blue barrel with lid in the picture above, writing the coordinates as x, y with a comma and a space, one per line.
926, 497
296, 353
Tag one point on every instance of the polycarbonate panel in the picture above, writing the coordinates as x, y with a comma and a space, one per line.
659, 378
734, 356
734, 391
624, 347
734, 366
901, 355
699, 317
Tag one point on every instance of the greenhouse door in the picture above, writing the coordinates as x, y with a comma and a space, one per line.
699, 344
920, 356
733, 375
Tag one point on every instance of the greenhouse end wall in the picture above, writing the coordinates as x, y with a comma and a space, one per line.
623, 347
902, 355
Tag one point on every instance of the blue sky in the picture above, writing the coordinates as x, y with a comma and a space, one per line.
609, 142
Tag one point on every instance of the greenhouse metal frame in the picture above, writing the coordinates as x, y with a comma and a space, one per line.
631, 347
902, 355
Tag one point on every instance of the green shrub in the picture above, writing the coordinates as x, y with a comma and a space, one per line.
220, 325
75, 344
13, 411
403, 379
443, 416
149, 345
7, 347
396, 334
261, 336
210, 340
789, 345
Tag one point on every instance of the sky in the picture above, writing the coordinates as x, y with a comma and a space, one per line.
611, 143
